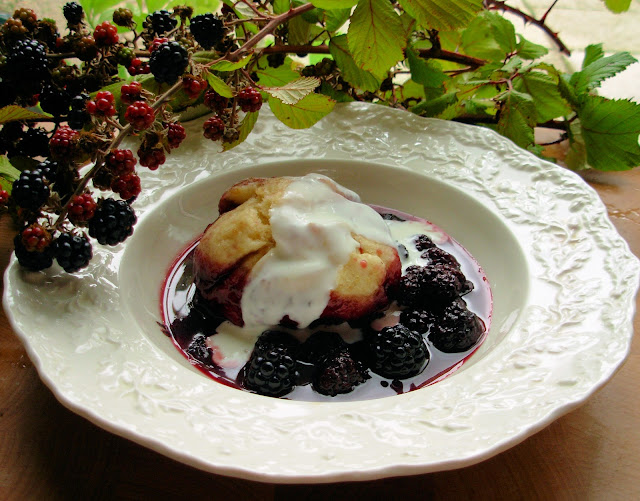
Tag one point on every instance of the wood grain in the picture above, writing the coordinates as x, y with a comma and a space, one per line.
49, 453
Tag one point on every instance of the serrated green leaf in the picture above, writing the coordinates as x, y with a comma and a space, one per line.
442, 14
489, 36
350, 71
426, 73
276, 77
591, 54
244, 129
335, 19
230, 66
334, 4
14, 112
618, 6
529, 50
299, 31
436, 106
549, 103
517, 118
610, 129
217, 84
304, 113
592, 76
8, 173
294, 91
376, 37
567, 91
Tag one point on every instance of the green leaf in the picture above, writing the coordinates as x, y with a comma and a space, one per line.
304, 113
245, 128
517, 118
335, 19
218, 84
337, 95
299, 31
14, 112
567, 91
549, 103
376, 37
334, 4
294, 91
591, 54
489, 36
442, 14
426, 73
435, 106
529, 50
281, 6
592, 76
610, 129
576, 157
618, 6
229, 66
276, 77
8, 173
350, 71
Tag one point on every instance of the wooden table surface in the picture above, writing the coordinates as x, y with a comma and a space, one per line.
49, 453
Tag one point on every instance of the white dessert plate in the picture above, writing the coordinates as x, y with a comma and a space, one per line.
563, 281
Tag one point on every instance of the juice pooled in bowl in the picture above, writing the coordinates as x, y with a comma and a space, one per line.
299, 290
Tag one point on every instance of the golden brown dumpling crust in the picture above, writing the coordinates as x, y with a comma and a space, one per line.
241, 235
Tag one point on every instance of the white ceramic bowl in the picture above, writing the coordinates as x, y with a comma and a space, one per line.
563, 282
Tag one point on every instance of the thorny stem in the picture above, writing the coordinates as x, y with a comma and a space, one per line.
540, 23
99, 162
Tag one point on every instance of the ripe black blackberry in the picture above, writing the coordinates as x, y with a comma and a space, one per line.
456, 329
207, 29
49, 170
423, 242
397, 352
417, 320
73, 13
72, 252
436, 255
272, 368
276, 60
160, 22
112, 222
33, 143
32, 260
78, 117
27, 61
338, 373
30, 191
319, 345
168, 62
54, 100
422, 286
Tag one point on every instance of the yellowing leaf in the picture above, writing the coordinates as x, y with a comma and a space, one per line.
304, 113
13, 112
334, 4
294, 91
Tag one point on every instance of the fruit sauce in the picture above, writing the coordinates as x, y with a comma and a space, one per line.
194, 328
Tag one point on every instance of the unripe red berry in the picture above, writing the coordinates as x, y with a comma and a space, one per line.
106, 34
249, 99
175, 134
151, 158
140, 115
127, 186
120, 162
193, 86
213, 128
81, 208
35, 238
138, 67
130, 92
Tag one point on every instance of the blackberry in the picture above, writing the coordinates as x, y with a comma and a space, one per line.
72, 252
156, 43
34, 261
160, 22
249, 99
54, 100
35, 237
138, 67
106, 34
33, 143
193, 86
129, 93
112, 222
436, 255
13, 30
213, 128
432, 284
319, 345
123, 17
120, 162
47, 33
30, 190
73, 13
423, 242
272, 368
175, 134
215, 101
49, 170
207, 29
78, 116
152, 158
417, 320
63, 143
397, 352
27, 61
339, 373
199, 350
127, 186
27, 17
457, 329
276, 60
103, 105
125, 55
86, 48
81, 208
140, 115
168, 62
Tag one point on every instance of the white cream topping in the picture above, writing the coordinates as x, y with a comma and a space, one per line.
312, 226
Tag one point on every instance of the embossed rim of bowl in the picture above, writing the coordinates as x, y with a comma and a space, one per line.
583, 282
